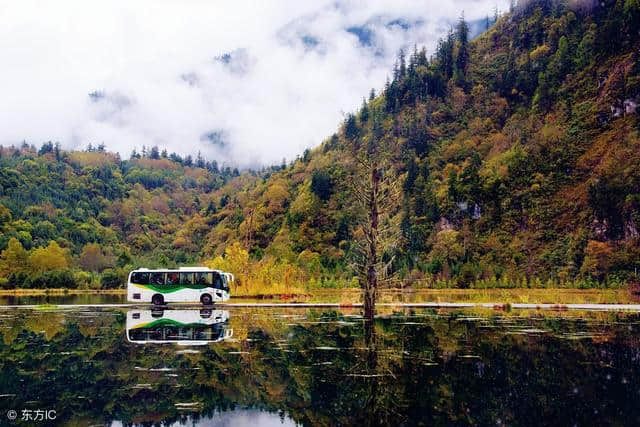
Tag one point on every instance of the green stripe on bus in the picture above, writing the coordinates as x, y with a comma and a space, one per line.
167, 322
167, 289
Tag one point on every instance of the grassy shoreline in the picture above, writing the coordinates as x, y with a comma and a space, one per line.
60, 292
353, 295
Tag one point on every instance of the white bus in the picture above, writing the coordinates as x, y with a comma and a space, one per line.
182, 327
187, 284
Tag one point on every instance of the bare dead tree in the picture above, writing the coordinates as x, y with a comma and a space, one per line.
376, 192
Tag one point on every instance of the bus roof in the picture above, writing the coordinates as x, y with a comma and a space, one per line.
176, 269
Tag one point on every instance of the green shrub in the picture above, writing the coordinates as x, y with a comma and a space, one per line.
17, 280
53, 279
83, 279
111, 279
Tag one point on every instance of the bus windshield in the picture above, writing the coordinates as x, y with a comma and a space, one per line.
225, 282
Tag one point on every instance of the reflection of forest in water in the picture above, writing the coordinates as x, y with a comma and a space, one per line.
327, 367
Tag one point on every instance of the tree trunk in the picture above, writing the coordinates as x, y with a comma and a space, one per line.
371, 285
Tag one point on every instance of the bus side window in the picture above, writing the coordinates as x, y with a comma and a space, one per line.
217, 280
209, 279
201, 279
157, 278
140, 278
186, 278
173, 278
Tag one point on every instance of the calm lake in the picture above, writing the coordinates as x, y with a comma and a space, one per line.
276, 366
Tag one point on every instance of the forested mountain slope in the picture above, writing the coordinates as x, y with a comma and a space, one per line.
66, 211
518, 154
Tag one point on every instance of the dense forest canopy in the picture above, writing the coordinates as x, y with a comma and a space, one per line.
518, 153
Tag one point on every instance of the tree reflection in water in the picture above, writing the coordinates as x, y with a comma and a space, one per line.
371, 372
327, 368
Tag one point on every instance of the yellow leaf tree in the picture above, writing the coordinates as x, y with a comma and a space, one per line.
448, 249
14, 258
235, 260
597, 259
53, 257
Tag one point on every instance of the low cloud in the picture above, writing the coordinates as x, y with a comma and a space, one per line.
244, 82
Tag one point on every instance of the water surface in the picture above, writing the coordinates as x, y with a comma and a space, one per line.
281, 366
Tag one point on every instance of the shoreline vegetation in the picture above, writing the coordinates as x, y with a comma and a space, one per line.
348, 296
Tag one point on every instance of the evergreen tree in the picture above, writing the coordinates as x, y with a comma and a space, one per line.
306, 155
351, 130
390, 96
560, 65
422, 57
364, 111
425, 204
47, 147
444, 55
541, 99
154, 153
211, 208
584, 53
470, 183
174, 157
321, 184
412, 174
413, 60
199, 160
462, 35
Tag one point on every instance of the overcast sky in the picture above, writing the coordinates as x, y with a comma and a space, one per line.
245, 82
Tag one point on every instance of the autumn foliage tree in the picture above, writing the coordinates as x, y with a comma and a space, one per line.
14, 258
49, 258
92, 258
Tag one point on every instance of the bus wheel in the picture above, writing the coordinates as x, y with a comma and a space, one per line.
206, 299
157, 299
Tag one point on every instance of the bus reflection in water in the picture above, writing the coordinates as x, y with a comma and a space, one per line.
183, 327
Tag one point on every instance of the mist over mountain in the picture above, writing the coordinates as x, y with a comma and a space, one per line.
114, 73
